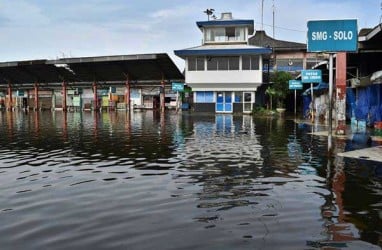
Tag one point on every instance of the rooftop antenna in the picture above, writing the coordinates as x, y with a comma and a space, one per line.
209, 12
262, 14
273, 16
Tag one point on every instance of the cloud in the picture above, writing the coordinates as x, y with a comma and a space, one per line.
22, 13
45, 29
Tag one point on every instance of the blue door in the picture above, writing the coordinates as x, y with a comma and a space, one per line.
224, 102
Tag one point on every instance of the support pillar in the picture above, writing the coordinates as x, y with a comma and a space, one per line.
9, 90
28, 99
162, 96
341, 93
36, 99
64, 96
127, 94
95, 96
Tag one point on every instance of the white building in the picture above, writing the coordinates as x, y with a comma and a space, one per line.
225, 71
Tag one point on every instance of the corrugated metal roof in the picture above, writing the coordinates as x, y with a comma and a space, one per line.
139, 68
262, 39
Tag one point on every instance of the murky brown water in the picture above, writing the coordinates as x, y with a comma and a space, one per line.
151, 181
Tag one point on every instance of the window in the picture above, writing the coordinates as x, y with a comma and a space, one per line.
250, 62
200, 63
247, 102
195, 63
238, 96
230, 33
233, 63
247, 97
212, 63
191, 63
223, 63
289, 64
245, 62
240, 34
219, 34
204, 96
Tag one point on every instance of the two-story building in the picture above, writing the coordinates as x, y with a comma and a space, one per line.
225, 71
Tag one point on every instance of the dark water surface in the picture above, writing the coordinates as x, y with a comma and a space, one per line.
152, 181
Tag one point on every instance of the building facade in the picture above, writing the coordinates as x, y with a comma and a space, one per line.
286, 55
225, 71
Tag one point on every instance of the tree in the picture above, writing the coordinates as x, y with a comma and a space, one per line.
279, 87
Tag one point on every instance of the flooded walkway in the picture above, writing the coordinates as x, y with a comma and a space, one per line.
169, 181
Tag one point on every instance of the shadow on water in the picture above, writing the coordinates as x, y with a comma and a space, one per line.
147, 180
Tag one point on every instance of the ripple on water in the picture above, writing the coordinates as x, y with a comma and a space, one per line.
144, 182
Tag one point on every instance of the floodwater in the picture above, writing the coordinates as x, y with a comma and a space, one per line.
180, 181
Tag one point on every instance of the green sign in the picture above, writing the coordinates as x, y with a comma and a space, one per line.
295, 84
178, 86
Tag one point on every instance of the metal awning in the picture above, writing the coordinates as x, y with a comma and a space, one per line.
139, 69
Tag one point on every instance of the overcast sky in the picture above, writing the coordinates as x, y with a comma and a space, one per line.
50, 29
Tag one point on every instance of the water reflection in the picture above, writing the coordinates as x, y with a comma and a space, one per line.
147, 180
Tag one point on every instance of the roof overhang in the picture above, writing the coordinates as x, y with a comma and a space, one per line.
222, 52
371, 34
141, 68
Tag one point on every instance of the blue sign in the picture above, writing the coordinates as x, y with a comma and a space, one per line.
20, 92
332, 35
295, 84
113, 90
178, 86
311, 76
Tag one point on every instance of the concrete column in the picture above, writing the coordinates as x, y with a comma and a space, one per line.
95, 96
162, 96
341, 93
127, 94
36, 99
28, 99
64, 96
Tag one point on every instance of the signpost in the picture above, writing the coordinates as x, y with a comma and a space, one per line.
177, 87
311, 76
295, 84
332, 36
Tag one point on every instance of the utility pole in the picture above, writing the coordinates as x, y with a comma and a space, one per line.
273, 16
262, 14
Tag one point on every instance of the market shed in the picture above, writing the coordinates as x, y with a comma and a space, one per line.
56, 79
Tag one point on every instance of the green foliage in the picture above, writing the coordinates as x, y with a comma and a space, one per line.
261, 111
279, 88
